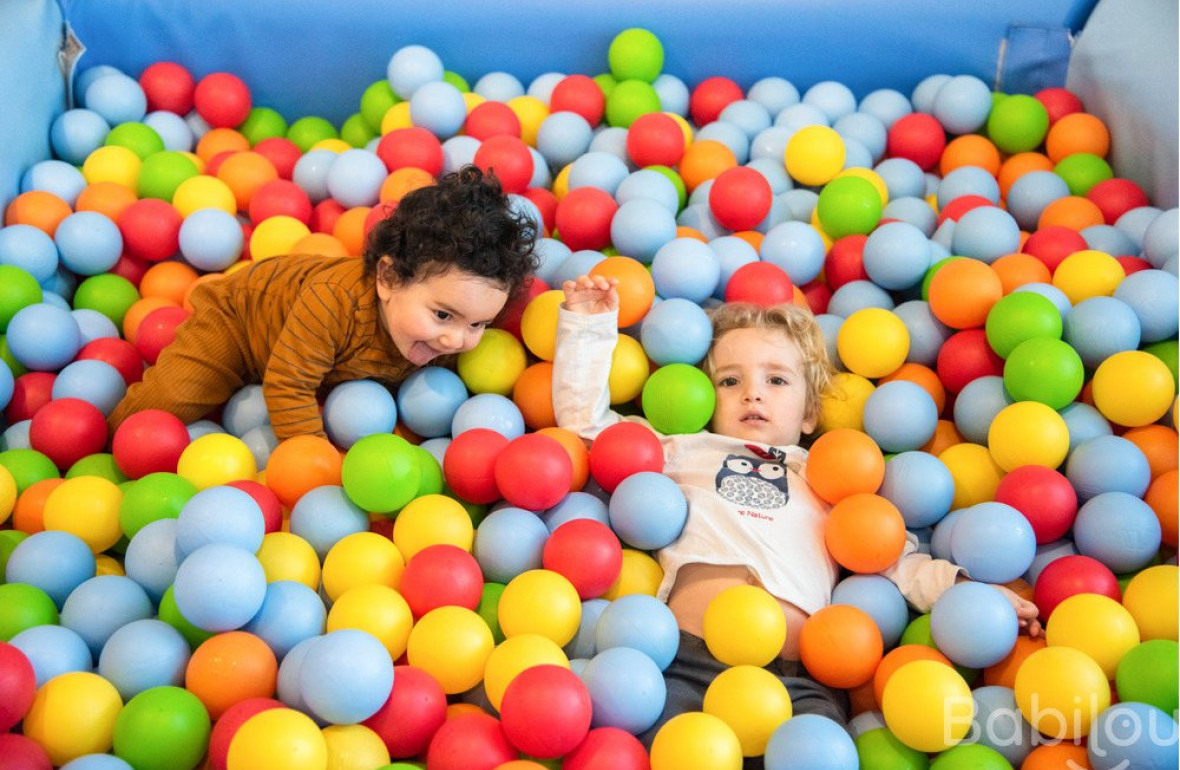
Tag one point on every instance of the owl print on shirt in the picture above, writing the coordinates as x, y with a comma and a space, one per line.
753, 481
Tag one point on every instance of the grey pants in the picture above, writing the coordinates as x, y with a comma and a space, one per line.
694, 667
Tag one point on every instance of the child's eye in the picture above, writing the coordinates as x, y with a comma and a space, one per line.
727, 382
442, 315
776, 380
480, 325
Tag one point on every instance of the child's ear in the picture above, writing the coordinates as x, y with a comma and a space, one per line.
386, 276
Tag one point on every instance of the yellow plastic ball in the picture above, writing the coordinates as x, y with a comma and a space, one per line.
452, 644
278, 739
197, 160
540, 601
752, 701
86, 506
377, 609
873, 342
640, 574
561, 182
276, 235
531, 112
215, 459
112, 163
1152, 597
814, 155
872, 177
843, 404
538, 323
354, 747
629, 370
493, 365
7, 494
685, 127
695, 740
472, 100
361, 558
204, 192
975, 473
1088, 273
397, 116
284, 556
927, 705
1060, 691
744, 625
432, 520
1133, 388
105, 564
331, 144
1028, 433
73, 714
514, 655
1095, 624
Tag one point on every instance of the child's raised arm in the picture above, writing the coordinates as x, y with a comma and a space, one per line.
591, 294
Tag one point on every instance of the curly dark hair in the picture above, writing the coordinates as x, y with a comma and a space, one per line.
464, 221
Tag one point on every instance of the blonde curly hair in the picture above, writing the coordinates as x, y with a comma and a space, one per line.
799, 327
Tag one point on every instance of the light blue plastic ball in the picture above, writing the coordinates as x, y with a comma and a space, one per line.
999, 725
887, 105
673, 94
51, 297
896, 256
994, 542
83, 79
7, 384
1099, 327
151, 557
729, 134
219, 587
489, 410
576, 505
858, 295
43, 337
1133, 734
219, 514
1134, 223
93, 381
102, 605
685, 267
498, 86
1107, 464
1051, 293
211, 239
261, 441
1161, 240
439, 108
732, 253
346, 676
775, 173
903, 178
355, 178
927, 90
76, 133
563, 137
1118, 529
913, 211
437, 447
770, 144
311, 173
411, 67
963, 104
577, 263
1084, 422
830, 326
647, 510
245, 410
508, 542
800, 203
774, 93
940, 538
1109, 239
1031, 193
834, 99
541, 87
94, 325
797, 248
866, 129
880, 598
582, 645
968, 180
612, 141
324, 515
647, 184
56, 177
288, 689
676, 331
550, 254
986, 233
973, 624
117, 98
428, 399
810, 742
96, 762
856, 155
357, 409
626, 688
172, 128
30, 249
927, 333
144, 654
55, 561
1154, 295
599, 169
921, 486
53, 650
290, 613
459, 151
900, 416
640, 227
700, 217
977, 405
640, 622
750, 116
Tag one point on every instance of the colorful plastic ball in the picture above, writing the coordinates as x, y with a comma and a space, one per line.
381, 473
545, 711
676, 331
101, 605
1133, 388
873, 342
74, 715
489, 411
1097, 625
744, 625
17, 683
1061, 691
1028, 433
840, 645
1144, 674
900, 416
585, 552
441, 575
848, 206
452, 644
1044, 496
921, 487
222, 100
1044, 370
163, 727
67, 429
810, 741
219, 514
346, 676
864, 533
1131, 734
520, 609
993, 542
752, 701
584, 218
622, 450
927, 705
1118, 529
678, 398
53, 561
1148, 597
1018, 317
844, 462
414, 711
626, 688
1017, 123
647, 510
148, 442
1122, 467
740, 198
25, 606
53, 650
219, 587
533, 472
763, 283
814, 155
278, 738
42, 336
216, 458
973, 624
427, 400
470, 740
696, 740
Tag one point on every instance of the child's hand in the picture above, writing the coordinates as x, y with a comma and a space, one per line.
1026, 611
591, 294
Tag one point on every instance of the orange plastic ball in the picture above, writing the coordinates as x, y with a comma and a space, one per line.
169, 280
1004, 672
109, 198
533, 395
963, 292
636, 288
1057, 756
844, 462
840, 645
684, 231
350, 229
402, 182
970, 150
576, 449
300, 464
219, 140
1077, 132
320, 243
43, 210
705, 160
1016, 270
1158, 444
231, 667
1161, 496
28, 515
139, 310
865, 533
1072, 211
1018, 165
245, 172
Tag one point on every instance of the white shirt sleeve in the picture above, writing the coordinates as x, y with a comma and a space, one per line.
920, 577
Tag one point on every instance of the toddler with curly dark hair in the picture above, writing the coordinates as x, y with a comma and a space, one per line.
435, 274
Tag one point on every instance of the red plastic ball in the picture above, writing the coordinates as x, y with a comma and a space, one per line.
608, 748
1058, 102
1053, 243
157, 330
583, 218
130, 268
268, 502
844, 262
222, 99
150, 441
966, 356
490, 119
411, 147
762, 283
509, 158
580, 94
18, 685
20, 753
280, 197
30, 392
469, 742
150, 229
230, 722
545, 711
1067, 576
960, 206
917, 136
710, 97
533, 472
324, 216
168, 86
282, 153
1115, 197
414, 711
623, 449
469, 464
587, 553
1044, 496
67, 429
818, 294
740, 198
1133, 264
117, 352
546, 203
655, 139
441, 575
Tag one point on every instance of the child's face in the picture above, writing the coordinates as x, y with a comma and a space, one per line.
761, 391
440, 315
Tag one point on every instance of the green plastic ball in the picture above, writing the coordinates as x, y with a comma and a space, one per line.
376, 101
9, 539
24, 606
16, 367
151, 498
1017, 123
140, 138
1082, 170
606, 82
1147, 674
170, 614
1167, 351
381, 472
356, 131
848, 205
636, 54
431, 481
307, 131
18, 289
162, 728
677, 182
101, 465
1045, 370
162, 173
489, 609
970, 756
629, 100
678, 398
881, 750
263, 123
1020, 316
457, 80
107, 293
28, 466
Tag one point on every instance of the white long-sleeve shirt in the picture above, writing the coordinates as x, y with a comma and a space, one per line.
748, 503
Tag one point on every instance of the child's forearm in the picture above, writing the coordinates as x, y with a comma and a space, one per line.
581, 371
